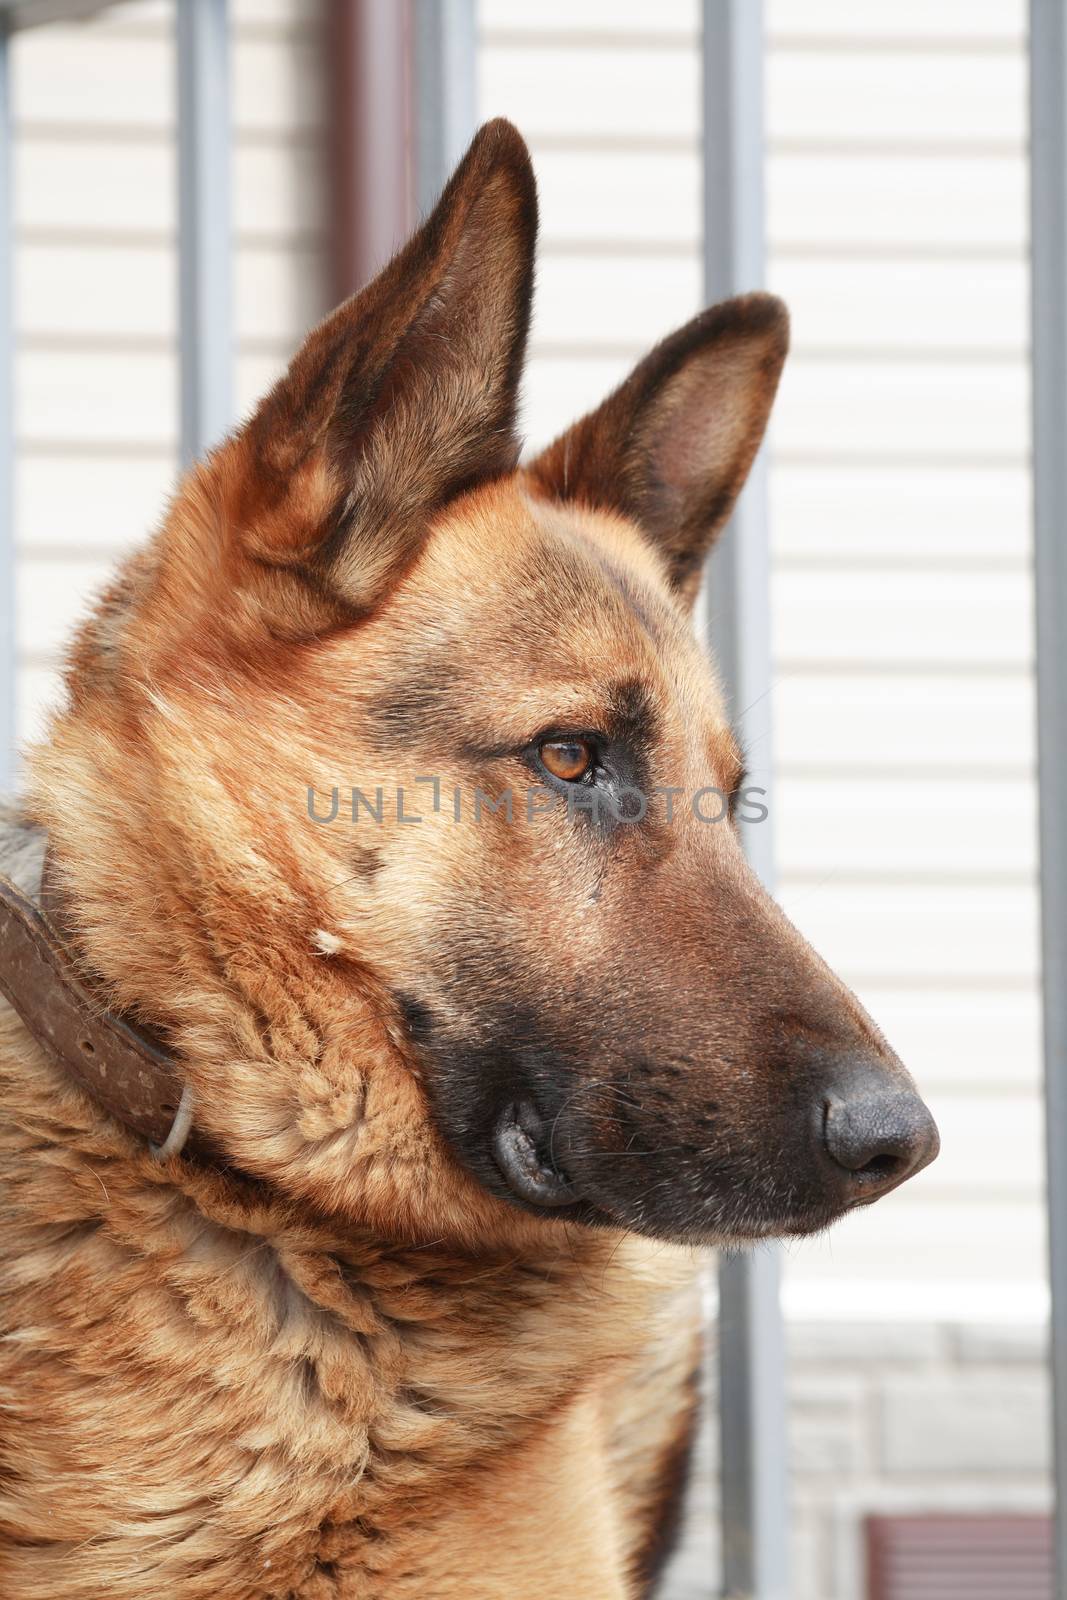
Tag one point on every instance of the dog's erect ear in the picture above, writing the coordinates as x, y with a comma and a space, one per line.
672, 446
401, 399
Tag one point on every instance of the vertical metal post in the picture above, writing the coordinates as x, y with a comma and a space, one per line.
370, 88
446, 91
204, 224
404, 106
1048, 233
752, 1427
8, 646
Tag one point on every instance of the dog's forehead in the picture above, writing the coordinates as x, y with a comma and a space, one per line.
544, 606
508, 558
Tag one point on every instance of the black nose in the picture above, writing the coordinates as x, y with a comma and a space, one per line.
876, 1135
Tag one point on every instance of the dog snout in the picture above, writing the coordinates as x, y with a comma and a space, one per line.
876, 1134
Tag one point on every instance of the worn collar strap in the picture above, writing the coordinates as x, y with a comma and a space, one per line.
127, 1071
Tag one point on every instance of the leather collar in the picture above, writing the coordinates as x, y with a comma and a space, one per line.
119, 1063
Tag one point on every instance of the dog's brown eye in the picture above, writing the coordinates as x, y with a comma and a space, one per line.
566, 759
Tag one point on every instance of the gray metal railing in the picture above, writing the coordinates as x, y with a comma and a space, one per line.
445, 50
205, 248
751, 1367
1048, 224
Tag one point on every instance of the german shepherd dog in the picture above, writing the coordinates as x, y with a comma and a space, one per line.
403, 1307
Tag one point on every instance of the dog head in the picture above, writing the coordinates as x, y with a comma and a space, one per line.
560, 992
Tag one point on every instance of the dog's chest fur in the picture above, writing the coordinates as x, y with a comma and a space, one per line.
208, 1396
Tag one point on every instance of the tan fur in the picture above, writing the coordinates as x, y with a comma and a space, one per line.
344, 1362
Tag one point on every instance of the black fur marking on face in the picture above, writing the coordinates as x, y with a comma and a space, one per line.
637, 600
613, 794
418, 1018
413, 710
474, 1075
625, 772
632, 716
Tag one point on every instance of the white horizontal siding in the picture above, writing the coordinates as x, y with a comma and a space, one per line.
129, 293
998, 1137
997, 22
51, 597
115, 396
647, 197
93, 504
70, 183
248, 14
965, 1039
895, 618
580, 305
917, 412
917, 828
601, 94
109, 396
924, 23
677, 18
877, 308
840, 94
122, 78
895, 309
898, 931
861, 201
909, 724
912, 1238
931, 514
